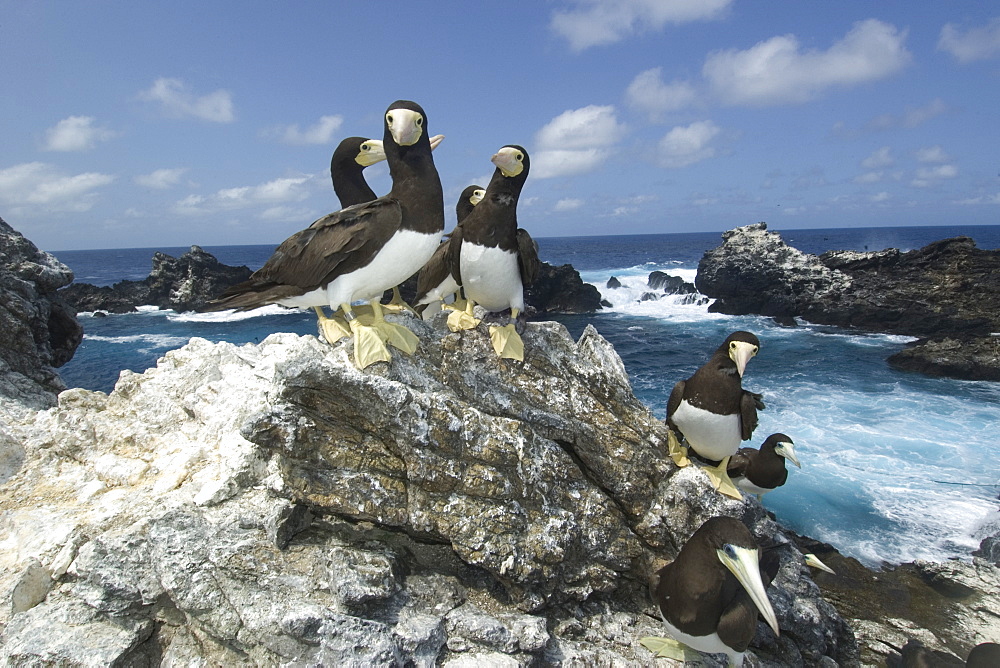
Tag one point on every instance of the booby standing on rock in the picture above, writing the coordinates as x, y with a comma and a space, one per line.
435, 281
491, 258
710, 594
713, 411
361, 251
760, 471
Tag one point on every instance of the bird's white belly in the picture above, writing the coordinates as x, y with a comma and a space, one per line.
712, 436
750, 488
403, 255
711, 644
491, 277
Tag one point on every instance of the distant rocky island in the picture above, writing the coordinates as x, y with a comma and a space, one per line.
946, 294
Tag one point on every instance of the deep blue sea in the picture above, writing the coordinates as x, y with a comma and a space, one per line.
895, 466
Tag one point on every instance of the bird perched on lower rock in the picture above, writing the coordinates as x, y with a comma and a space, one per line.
761, 471
712, 410
709, 596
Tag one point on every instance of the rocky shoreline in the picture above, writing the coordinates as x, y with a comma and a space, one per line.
270, 503
946, 294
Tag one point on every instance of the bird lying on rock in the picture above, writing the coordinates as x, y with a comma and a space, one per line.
361, 251
713, 412
435, 282
709, 596
491, 258
914, 654
761, 471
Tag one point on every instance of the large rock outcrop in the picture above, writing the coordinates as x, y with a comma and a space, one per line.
185, 283
39, 328
271, 504
947, 294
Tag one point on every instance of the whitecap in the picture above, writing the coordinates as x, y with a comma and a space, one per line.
232, 316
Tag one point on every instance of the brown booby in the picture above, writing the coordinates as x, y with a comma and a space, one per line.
435, 281
712, 410
359, 252
760, 471
491, 258
710, 594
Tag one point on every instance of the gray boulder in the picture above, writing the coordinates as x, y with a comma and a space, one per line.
272, 504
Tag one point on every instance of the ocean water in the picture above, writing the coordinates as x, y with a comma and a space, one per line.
895, 466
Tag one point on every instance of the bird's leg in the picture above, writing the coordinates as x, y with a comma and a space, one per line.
457, 303
397, 305
368, 345
506, 341
333, 329
721, 480
676, 451
395, 335
459, 320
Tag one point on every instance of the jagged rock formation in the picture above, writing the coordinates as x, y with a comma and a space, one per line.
39, 328
949, 606
271, 504
947, 293
559, 289
183, 284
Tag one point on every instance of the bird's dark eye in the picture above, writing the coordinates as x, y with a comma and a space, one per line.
729, 550
520, 157
755, 349
366, 147
420, 122
388, 117
733, 345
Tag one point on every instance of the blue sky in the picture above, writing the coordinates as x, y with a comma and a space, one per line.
135, 124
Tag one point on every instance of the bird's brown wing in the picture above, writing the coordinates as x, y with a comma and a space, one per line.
454, 259
748, 415
675, 400
527, 253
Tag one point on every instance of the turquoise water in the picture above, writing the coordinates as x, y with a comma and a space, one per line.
895, 466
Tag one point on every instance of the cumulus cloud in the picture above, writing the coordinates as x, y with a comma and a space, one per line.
320, 133
271, 194
41, 186
568, 204
588, 23
686, 145
76, 133
974, 44
650, 95
869, 177
575, 142
932, 154
778, 71
161, 179
179, 102
879, 158
929, 176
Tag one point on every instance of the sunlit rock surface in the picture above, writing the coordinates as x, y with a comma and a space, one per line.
271, 504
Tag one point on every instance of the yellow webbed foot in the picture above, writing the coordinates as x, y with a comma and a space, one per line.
457, 305
397, 305
368, 345
507, 342
332, 329
676, 451
397, 336
669, 648
459, 320
721, 480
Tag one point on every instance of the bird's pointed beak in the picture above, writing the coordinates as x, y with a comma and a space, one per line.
374, 153
406, 126
507, 161
435, 140
787, 450
812, 560
741, 354
746, 568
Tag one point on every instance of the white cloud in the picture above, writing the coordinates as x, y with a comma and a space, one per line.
179, 102
575, 142
320, 133
932, 154
684, 146
777, 71
76, 133
928, 176
982, 199
568, 204
598, 22
647, 93
879, 158
879, 197
272, 193
38, 185
161, 179
974, 44
869, 177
